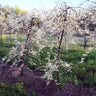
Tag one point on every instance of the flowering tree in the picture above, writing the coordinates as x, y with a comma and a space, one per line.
59, 23
86, 25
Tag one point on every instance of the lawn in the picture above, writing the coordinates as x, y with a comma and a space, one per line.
80, 74
18, 37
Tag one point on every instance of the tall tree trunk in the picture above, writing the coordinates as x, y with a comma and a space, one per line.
85, 43
58, 57
10, 37
25, 49
65, 49
1, 36
59, 47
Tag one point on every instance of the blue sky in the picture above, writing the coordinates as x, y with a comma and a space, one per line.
38, 4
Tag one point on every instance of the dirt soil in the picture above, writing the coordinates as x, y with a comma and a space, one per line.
34, 83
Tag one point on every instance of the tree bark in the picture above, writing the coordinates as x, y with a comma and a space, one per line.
59, 47
25, 49
1, 36
58, 57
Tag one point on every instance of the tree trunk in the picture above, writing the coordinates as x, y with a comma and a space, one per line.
85, 44
1, 36
59, 47
10, 37
25, 49
58, 57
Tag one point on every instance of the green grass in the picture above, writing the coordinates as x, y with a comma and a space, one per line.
13, 90
91, 56
20, 38
7, 40
72, 55
81, 74
4, 49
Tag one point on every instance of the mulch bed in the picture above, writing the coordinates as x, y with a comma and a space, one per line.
34, 83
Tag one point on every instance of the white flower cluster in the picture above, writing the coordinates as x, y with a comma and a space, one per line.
49, 69
67, 66
15, 53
